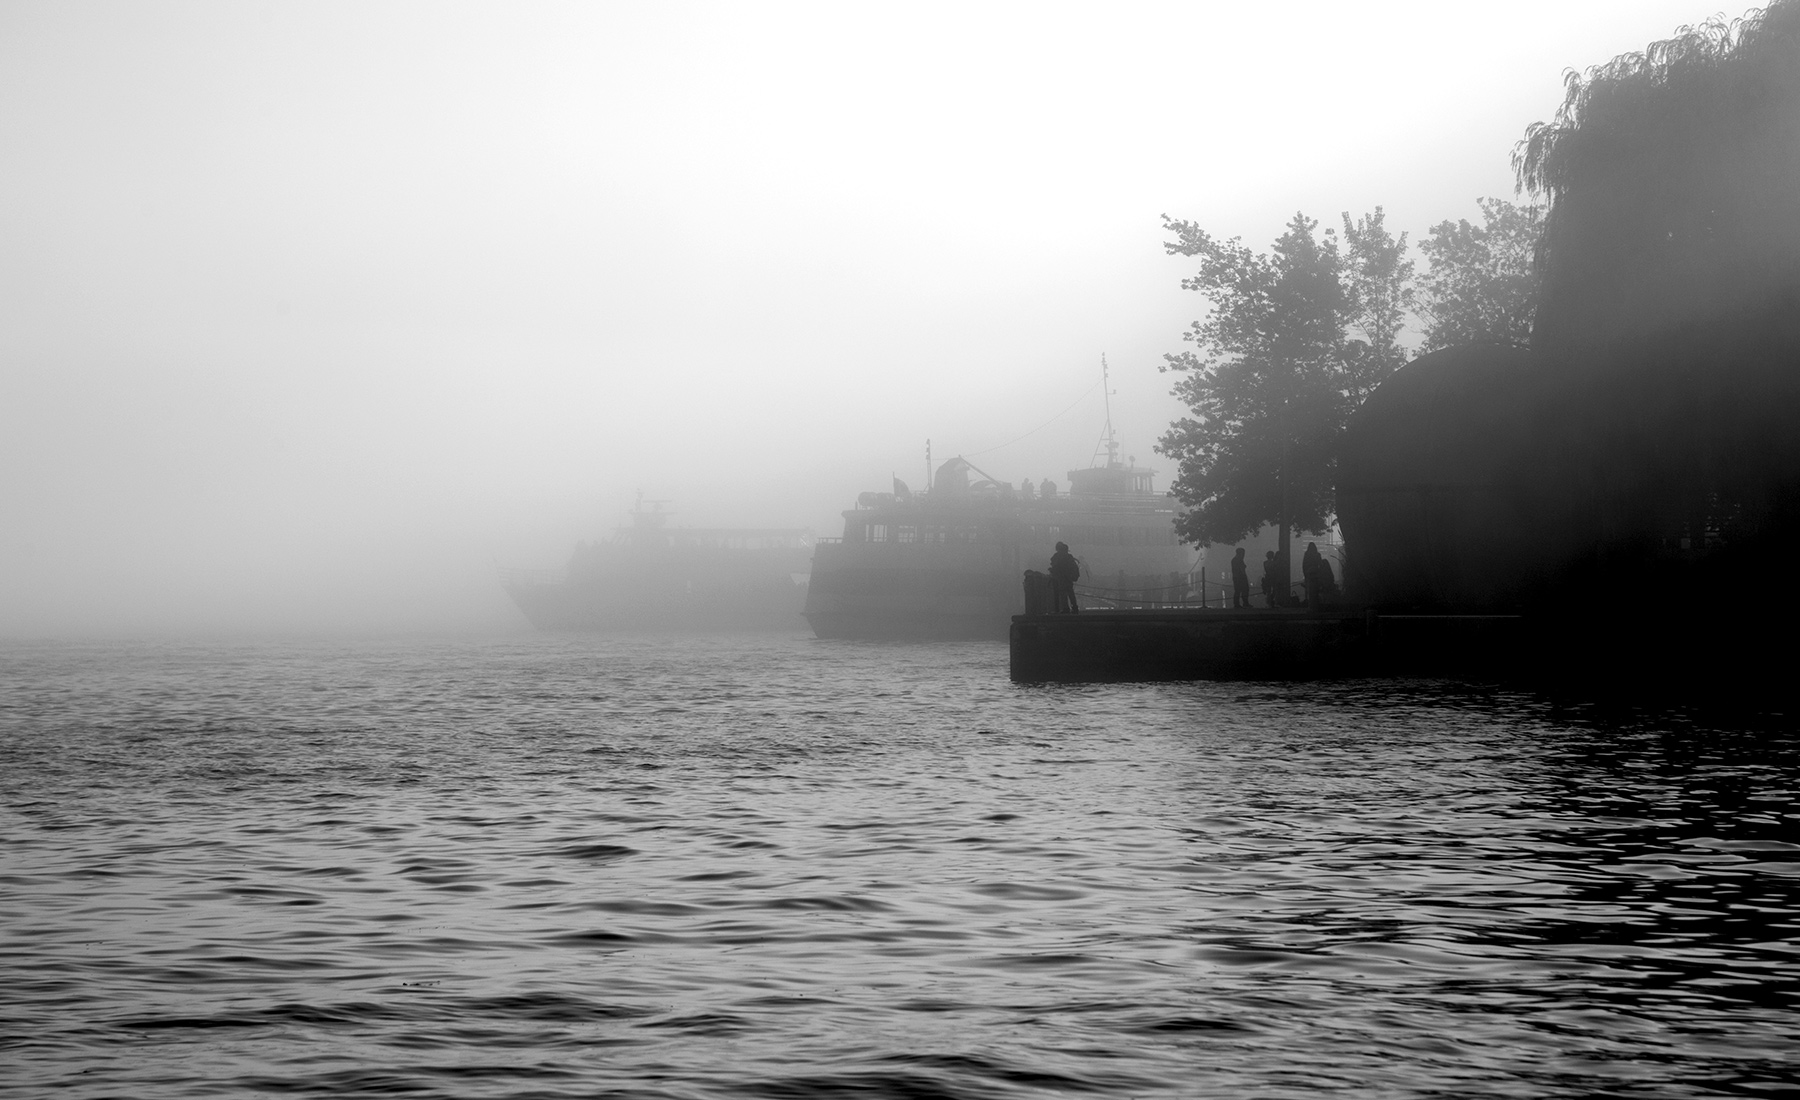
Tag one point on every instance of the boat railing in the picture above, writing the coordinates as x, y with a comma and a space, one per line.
1111, 502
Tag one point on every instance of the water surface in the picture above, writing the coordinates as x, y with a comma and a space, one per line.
781, 867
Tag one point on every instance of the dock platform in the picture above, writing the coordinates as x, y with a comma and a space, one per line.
1259, 644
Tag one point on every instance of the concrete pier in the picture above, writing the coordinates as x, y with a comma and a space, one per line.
1210, 644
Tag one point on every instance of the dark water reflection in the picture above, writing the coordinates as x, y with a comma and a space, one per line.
784, 868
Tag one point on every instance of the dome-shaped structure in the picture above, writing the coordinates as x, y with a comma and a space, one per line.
1441, 497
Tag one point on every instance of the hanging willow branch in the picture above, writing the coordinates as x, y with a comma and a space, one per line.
1635, 92
1673, 182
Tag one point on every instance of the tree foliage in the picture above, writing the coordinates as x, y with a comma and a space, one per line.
1265, 382
1482, 283
1297, 338
1378, 286
1673, 182
1670, 303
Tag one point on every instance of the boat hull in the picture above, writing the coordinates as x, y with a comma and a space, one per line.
632, 589
953, 569
567, 608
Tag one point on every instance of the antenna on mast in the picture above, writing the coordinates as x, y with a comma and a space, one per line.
1108, 440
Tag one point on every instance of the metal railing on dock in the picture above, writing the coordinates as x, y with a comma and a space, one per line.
1196, 593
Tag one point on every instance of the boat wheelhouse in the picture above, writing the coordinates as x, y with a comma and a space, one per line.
948, 562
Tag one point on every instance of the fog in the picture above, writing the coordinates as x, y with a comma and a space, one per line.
313, 316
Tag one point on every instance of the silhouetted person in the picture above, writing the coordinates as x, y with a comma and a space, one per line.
1063, 575
1324, 584
1268, 578
1309, 569
1047, 490
1240, 580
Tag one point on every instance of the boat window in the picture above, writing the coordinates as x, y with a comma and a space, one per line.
907, 533
878, 532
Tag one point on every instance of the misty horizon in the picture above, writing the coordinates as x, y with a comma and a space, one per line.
318, 317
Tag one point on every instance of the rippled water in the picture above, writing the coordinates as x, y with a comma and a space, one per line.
780, 867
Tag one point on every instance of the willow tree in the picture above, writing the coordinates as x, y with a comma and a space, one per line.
1673, 178
1671, 288
1264, 383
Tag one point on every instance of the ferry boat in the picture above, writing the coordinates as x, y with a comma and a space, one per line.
650, 576
949, 562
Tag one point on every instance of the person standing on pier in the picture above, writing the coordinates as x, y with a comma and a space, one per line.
1309, 569
1063, 575
1268, 578
1240, 580
1324, 582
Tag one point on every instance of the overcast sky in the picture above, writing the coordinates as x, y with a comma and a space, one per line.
312, 315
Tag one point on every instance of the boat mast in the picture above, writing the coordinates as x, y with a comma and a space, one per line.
1109, 440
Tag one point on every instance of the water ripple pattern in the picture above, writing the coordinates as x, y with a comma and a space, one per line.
780, 867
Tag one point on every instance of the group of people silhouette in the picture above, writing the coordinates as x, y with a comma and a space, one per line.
1320, 583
